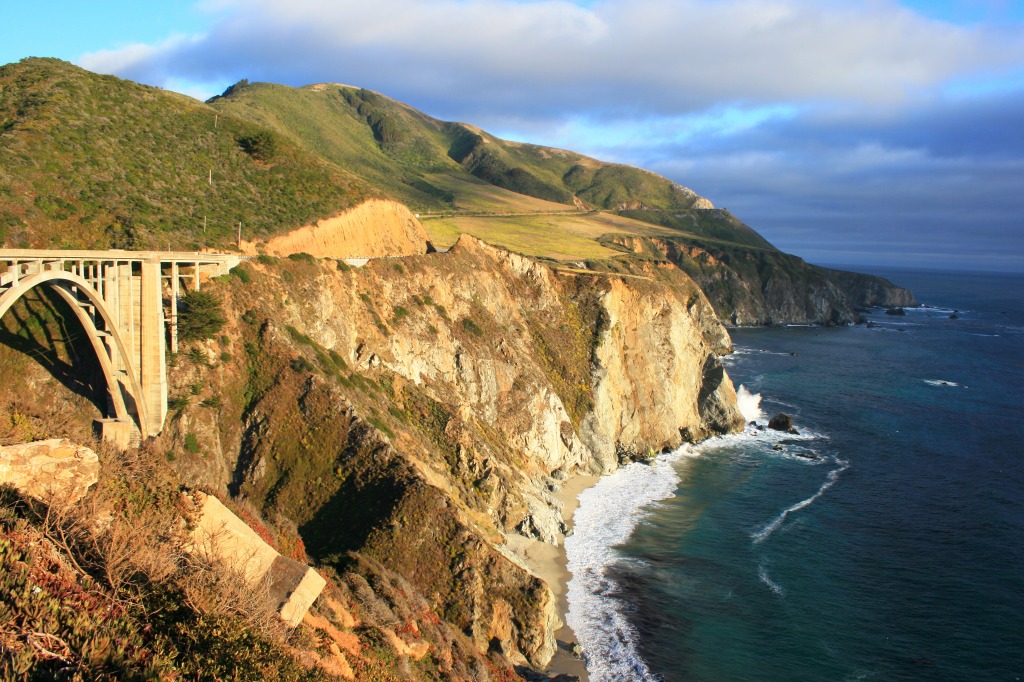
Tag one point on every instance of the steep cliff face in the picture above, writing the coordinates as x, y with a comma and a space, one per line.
869, 290
417, 411
757, 287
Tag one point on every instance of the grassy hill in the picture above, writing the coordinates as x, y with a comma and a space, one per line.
96, 161
409, 154
461, 177
90, 161
93, 161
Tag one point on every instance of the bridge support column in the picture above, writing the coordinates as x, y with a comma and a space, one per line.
153, 365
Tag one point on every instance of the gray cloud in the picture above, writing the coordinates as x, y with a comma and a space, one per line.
939, 183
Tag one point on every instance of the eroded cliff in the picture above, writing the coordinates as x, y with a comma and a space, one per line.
373, 229
418, 411
761, 287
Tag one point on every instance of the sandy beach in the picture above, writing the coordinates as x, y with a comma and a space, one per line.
549, 563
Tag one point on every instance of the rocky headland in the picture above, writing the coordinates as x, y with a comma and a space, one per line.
410, 427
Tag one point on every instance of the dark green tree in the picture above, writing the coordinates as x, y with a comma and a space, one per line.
200, 316
261, 145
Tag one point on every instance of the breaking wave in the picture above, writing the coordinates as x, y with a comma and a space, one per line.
607, 515
749, 404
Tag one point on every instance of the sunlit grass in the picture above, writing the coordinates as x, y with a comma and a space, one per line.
561, 237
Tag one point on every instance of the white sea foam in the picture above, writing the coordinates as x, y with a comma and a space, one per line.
746, 350
606, 517
749, 404
940, 382
933, 309
762, 573
765, 532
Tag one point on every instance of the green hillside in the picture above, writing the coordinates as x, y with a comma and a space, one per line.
401, 150
95, 161
89, 161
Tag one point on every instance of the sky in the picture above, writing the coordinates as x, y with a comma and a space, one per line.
879, 132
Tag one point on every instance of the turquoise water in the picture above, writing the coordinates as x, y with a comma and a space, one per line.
897, 555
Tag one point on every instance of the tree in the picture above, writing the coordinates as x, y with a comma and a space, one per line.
200, 316
261, 145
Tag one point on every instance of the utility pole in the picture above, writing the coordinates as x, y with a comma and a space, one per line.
239, 233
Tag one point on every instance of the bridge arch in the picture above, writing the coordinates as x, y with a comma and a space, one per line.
71, 287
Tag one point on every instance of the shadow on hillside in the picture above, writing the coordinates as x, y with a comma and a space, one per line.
344, 524
42, 327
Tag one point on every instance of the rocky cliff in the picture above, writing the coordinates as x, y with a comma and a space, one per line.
418, 411
751, 286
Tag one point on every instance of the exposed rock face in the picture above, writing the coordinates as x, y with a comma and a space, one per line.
50, 469
416, 411
657, 350
374, 228
781, 422
221, 536
763, 287
869, 290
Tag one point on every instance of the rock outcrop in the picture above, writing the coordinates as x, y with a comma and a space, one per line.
763, 287
220, 536
50, 469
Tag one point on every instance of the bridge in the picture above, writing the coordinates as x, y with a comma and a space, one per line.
127, 302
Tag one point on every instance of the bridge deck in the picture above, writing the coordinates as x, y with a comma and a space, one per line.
116, 255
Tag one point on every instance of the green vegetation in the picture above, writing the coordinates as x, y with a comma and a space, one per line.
95, 161
436, 166
86, 599
472, 327
150, 168
200, 316
714, 224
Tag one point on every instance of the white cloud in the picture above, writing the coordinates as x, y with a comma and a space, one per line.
816, 121
552, 55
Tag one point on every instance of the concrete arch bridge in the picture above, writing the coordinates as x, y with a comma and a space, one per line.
119, 298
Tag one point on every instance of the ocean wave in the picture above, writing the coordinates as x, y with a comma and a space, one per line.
764, 533
747, 350
934, 309
762, 573
607, 515
939, 382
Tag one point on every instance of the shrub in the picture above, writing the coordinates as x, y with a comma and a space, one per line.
472, 327
200, 316
191, 443
242, 273
301, 365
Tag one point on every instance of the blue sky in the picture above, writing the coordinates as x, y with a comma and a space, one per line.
845, 131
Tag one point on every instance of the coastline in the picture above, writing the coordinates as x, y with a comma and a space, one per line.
550, 564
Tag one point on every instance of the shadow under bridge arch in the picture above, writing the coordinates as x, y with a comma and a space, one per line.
119, 372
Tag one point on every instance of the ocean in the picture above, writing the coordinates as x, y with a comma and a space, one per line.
884, 541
